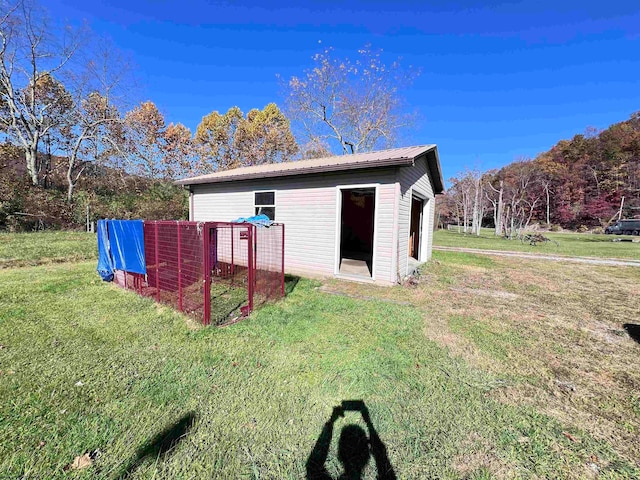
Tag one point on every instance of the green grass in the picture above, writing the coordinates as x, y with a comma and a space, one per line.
226, 301
86, 366
461, 258
569, 244
495, 343
20, 249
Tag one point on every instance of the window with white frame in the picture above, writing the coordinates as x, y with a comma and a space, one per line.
265, 204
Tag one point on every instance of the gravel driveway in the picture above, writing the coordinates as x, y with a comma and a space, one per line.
535, 256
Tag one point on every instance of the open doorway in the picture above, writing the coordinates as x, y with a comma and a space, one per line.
357, 221
415, 228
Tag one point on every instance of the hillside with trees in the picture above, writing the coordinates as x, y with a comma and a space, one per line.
79, 144
577, 184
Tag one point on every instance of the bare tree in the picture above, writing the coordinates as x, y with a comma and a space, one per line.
477, 181
152, 149
523, 195
314, 148
33, 57
462, 192
356, 103
546, 185
88, 136
467, 193
178, 151
495, 195
94, 125
144, 131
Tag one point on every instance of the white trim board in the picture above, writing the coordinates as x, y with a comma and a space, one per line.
424, 234
275, 201
376, 215
424, 226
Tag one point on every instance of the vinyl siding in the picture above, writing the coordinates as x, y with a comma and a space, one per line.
307, 205
414, 179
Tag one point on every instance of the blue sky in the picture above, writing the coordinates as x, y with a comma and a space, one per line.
499, 80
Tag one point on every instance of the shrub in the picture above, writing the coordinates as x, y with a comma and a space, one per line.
555, 228
107, 192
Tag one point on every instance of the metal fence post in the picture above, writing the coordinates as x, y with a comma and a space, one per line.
155, 225
250, 268
254, 233
206, 245
179, 265
282, 273
214, 251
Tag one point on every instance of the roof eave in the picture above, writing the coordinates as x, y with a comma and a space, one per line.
387, 162
438, 180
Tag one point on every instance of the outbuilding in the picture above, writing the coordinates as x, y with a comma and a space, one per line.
365, 216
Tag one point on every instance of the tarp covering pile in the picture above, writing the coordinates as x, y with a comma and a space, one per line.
120, 247
257, 220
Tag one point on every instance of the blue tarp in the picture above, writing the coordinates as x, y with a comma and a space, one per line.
258, 220
120, 247
105, 262
126, 239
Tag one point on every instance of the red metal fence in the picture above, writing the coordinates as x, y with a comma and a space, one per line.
213, 271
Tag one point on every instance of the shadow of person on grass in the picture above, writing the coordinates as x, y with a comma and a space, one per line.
162, 444
354, 447
633, 330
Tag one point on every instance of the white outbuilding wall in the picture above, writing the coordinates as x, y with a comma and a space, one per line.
308, 205
415, 181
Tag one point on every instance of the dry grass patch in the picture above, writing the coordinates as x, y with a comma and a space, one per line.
558, 339
486, 293
481, 460
553, 331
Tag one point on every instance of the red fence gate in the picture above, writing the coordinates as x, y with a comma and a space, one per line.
214, 271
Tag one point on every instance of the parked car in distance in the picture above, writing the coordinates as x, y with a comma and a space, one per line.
624, 227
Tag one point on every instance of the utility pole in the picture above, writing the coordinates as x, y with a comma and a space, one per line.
621, 205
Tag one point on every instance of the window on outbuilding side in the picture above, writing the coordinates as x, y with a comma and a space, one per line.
265, 204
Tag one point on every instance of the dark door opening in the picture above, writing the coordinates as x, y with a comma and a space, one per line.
356, 231
415, 227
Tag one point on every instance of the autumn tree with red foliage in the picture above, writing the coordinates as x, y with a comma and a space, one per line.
578, 182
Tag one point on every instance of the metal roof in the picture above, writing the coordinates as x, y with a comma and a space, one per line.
404, 156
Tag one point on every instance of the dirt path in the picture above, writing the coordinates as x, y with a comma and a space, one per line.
535, 256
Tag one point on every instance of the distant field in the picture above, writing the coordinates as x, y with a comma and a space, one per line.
36, 248
569, 244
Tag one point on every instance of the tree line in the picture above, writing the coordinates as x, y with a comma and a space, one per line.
76, 136
583, 183
72, 97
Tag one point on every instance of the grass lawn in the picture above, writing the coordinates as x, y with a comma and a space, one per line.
20, 249
569, 244
226, 301
489, 368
